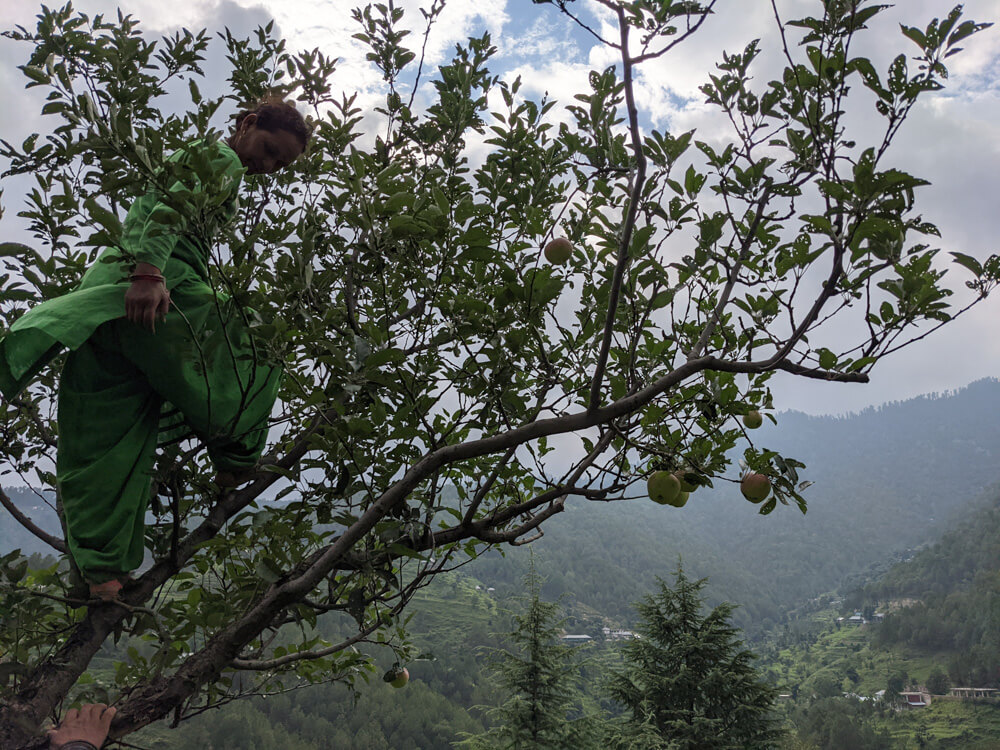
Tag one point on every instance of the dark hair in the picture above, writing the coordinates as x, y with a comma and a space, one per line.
274, 113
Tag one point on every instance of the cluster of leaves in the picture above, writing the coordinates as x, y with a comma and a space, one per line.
425, 344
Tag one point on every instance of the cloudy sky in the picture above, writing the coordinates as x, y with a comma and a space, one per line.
953, 139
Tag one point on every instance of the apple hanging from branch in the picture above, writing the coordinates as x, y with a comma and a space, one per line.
397, 676
755, 487
558, 251
665, 488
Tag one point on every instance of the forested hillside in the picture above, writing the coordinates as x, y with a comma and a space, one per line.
952, 593
941, 610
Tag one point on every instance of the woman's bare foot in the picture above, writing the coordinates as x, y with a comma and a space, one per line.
90, 723
106, 591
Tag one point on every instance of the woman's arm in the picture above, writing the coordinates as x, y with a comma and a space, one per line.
207, 176
206, 181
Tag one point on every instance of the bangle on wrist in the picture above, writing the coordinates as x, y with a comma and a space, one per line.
147, 277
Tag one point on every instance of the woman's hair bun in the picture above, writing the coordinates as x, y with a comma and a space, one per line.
274, 113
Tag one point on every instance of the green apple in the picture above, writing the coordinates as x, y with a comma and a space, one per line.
402, 677
755, 487
558, 251
663, 487
752, 420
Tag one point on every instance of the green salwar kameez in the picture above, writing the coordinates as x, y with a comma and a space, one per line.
119, 377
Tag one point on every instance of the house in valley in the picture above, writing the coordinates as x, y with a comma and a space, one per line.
617, 634
916, 698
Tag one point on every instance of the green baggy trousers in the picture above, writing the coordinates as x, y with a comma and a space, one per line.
111, 395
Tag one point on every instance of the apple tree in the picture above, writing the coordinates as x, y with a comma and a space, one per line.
447, 388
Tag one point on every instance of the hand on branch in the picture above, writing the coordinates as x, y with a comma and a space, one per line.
89, 723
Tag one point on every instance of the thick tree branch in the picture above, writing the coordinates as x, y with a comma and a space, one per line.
258, 665
499, 537
57, 544
819, 374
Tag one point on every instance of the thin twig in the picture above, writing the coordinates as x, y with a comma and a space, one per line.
630, 216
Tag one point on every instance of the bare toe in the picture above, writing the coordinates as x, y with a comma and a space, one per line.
106, 591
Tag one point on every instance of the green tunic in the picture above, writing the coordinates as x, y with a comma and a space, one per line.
154, 232
118, 377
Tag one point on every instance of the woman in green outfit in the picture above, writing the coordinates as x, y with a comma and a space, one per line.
128, 357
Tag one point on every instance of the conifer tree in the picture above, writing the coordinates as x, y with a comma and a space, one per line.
688, 682
539, 675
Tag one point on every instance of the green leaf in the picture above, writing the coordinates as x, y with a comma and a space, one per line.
863, 362
914, 34
382, 357
35, 74
968, 262
693, 182
14, 249
267, 569
403, 550
965, 30
399, 201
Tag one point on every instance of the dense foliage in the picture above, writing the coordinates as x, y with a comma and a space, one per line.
426, 346
833, 723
